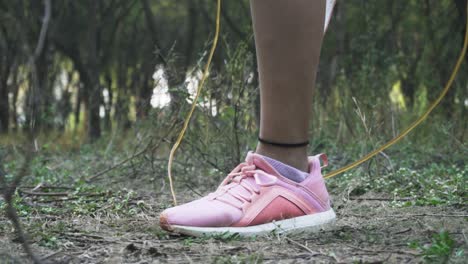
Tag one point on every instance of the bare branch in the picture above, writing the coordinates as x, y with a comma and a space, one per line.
44, 28
8, 194
135, 155
9, 189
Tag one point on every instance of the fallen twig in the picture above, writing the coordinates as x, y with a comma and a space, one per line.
380, 199
51, 254
313, 253
45, 187
403, 231
43, 193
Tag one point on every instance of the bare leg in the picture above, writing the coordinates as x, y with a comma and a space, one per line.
288, 38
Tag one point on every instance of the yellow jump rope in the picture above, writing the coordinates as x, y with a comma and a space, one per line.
335, 172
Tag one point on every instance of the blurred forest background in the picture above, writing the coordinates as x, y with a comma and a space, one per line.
107, 66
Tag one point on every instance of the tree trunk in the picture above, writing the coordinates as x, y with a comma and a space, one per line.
108, 105
92, 88
77, 112
4, 105
4, 100
36, 107
14, 89
145, 91
175, 76
408, 84
122, 100
42, 94
330, 76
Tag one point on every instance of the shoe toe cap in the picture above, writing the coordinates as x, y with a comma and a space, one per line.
199, 213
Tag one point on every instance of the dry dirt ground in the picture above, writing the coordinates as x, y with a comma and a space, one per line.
368, 230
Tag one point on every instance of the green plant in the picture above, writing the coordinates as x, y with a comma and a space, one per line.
440, 249
47, 240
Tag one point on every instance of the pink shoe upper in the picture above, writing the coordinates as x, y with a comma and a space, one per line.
254, 193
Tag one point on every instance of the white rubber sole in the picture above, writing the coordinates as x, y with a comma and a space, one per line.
301, 224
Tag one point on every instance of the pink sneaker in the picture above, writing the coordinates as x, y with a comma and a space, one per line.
255, 199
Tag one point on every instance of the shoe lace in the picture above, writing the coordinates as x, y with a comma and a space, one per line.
237, 178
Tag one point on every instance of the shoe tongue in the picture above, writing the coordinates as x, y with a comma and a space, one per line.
259, 161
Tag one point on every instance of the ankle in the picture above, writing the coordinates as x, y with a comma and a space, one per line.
294, 157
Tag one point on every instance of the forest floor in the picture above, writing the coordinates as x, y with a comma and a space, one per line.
406, 216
